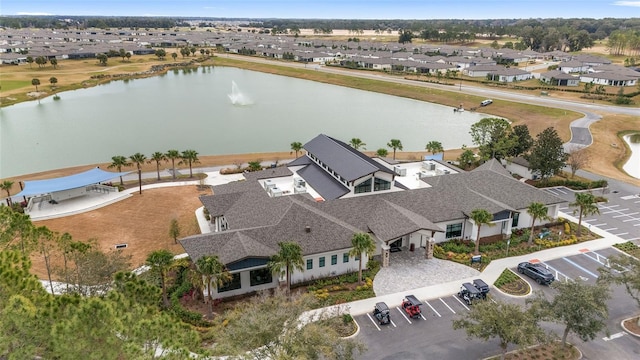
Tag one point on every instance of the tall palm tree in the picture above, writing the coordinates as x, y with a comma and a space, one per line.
296, 146
119, 162
214, 274
362, 244
138, 159
357, 144
173, 155
161, 262
6, 186
157, 157
434, 147
189, 157
480, 217
287, 260
586, 205
537, 211
395, 144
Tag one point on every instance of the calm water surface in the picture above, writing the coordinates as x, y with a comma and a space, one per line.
632, 167
194, 110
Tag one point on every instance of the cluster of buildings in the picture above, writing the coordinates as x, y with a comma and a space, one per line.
333, 191
428, 59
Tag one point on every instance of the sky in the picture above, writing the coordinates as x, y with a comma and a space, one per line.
331, 9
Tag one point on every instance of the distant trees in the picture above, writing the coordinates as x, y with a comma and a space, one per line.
174, 56
102, 59
173, 155
41, 61
405, 36
158, 157
434, 147
547, 156
395, 144
119, 162
491, 135
189, 157
382, 152
35, 82
54, 62
160, 54
296, 146
53, 80
29, 60
356, 143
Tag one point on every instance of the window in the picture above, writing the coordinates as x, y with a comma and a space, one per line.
454, 231
260, 276
514, 221
321, 262
309, 264
345, 257
381, 184
363, 187
334, 259
234, 284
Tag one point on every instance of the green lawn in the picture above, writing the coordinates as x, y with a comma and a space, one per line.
7, 85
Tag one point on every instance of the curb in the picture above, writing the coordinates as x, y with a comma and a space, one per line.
627, 330
357, 330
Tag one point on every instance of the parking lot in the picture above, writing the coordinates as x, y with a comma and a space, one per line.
433, 334
620, 216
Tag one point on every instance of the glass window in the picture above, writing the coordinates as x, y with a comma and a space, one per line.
514, 221
234, 284
309, 264
321, 262
334, 259
454, 231
381, 184
363, 187
345, 257
260, 276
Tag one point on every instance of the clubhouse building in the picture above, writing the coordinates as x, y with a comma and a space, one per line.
321, 199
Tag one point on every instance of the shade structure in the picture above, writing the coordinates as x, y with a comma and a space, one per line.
89, 177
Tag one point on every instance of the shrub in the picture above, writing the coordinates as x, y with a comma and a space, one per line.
505, 278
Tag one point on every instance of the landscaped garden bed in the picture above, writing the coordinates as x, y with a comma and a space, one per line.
344, 288
551, 351
510, 283
561, 233
630, 248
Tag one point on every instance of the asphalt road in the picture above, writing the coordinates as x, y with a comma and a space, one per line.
432, 337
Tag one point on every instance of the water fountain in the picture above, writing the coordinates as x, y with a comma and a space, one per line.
237, 97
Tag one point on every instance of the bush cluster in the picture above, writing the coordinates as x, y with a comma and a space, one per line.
505, 278
551, 243
572, 184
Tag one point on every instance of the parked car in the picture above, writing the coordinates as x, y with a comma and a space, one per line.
537, 272
469, 293
381, 313
486, 102
411, 306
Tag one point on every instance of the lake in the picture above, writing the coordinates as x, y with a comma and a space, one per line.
197, 109
632, 166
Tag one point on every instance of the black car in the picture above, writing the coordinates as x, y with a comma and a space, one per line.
537, 272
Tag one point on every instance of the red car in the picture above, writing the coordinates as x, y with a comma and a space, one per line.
411, 306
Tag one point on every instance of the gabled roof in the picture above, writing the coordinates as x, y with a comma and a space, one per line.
493, 165
342, 158
328, 187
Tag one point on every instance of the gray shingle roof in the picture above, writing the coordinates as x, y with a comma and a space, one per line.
341, 158
328, 187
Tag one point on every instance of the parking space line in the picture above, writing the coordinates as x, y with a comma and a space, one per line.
434, 310
632, 219
598, 225
629, 215
613, 336
447, 305
558, 273
613, 211
609, 229
636, 225
374, 323
621, 234
422, 316
495, 302
403, 315
580, 267
597, 258
392, 323
461, 303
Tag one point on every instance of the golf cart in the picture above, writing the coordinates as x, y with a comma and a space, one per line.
381, 313
482, 286
469, 293
411, 306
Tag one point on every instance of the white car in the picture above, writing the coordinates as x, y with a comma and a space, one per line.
486, 102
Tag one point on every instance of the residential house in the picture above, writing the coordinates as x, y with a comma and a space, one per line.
559, 78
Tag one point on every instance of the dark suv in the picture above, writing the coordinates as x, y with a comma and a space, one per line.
537, 272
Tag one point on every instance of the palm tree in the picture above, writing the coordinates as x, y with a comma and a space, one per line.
214, 274
362, 244
190, 157
434, 147
287, 260
158, 157
173, 155
395, 144
6, 186
480, 217
138, 159
357, 144
537, 211
296, 146
35, 82
119, 162
586, 205
161, 262
53, 80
